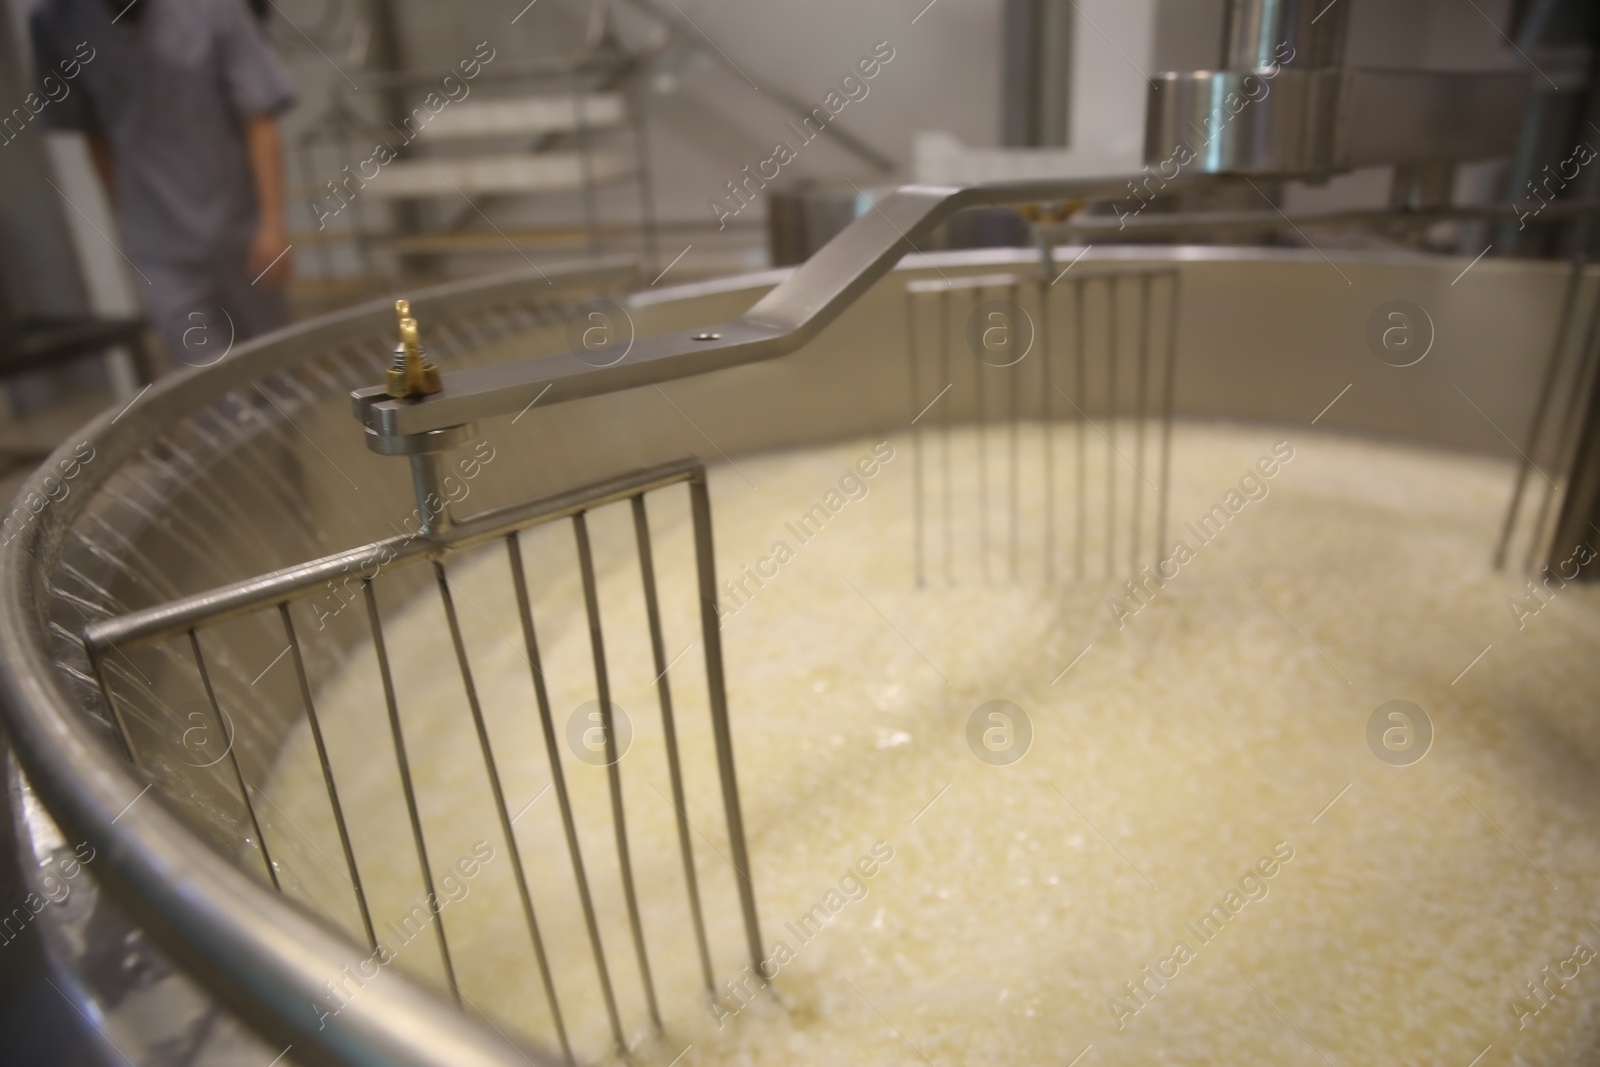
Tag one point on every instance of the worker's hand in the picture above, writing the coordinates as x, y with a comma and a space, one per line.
270, 262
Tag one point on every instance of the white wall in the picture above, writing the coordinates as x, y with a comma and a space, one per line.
945, 75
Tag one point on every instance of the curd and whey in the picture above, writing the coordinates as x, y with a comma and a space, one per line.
1196, 857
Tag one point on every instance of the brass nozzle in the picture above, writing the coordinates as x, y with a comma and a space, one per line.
411, 373
1050, 212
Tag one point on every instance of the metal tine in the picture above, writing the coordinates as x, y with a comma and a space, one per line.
153, 709
591, 213
406, 786
602, 681
669, 729
118, 719
470, 330
1166, 412
1080, 358
943, 334
1566, 432
1139, 427
1046, 300
916, 436
525, 317
1111, 425
1013, 373
233, 757
497, 322
498, 791
327, 775
122, 679
978, 366
558, 779
717, 692
1542, 407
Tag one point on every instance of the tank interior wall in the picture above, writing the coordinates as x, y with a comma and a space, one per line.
237, 491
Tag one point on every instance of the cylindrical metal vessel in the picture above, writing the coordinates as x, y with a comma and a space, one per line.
224, 473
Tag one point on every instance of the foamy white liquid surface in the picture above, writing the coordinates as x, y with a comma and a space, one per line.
1172, 756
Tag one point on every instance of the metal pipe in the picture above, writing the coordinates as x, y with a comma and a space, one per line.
558, 780
1107, 227
1553, 364
945, 417
1013, 376
497, 791
139, 628
1166, 420
1139, 419
403, 764
1111, 426
1079, 384
916, 439
1302, 33
327, 777
669, 732
1570, 437
602, 684
717, 691
233, 759
981, 420
1045, 350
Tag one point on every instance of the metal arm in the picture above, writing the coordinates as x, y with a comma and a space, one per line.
783, 320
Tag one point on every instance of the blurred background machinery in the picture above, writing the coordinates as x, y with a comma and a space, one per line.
616, 126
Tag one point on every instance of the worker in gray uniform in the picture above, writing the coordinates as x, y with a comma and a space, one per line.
179, 100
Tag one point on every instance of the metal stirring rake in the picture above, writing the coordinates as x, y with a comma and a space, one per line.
983, 349
444, 536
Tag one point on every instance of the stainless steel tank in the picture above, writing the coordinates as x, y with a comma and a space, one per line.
174, 943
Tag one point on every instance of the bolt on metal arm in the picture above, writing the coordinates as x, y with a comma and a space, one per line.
412, 373
411, 377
